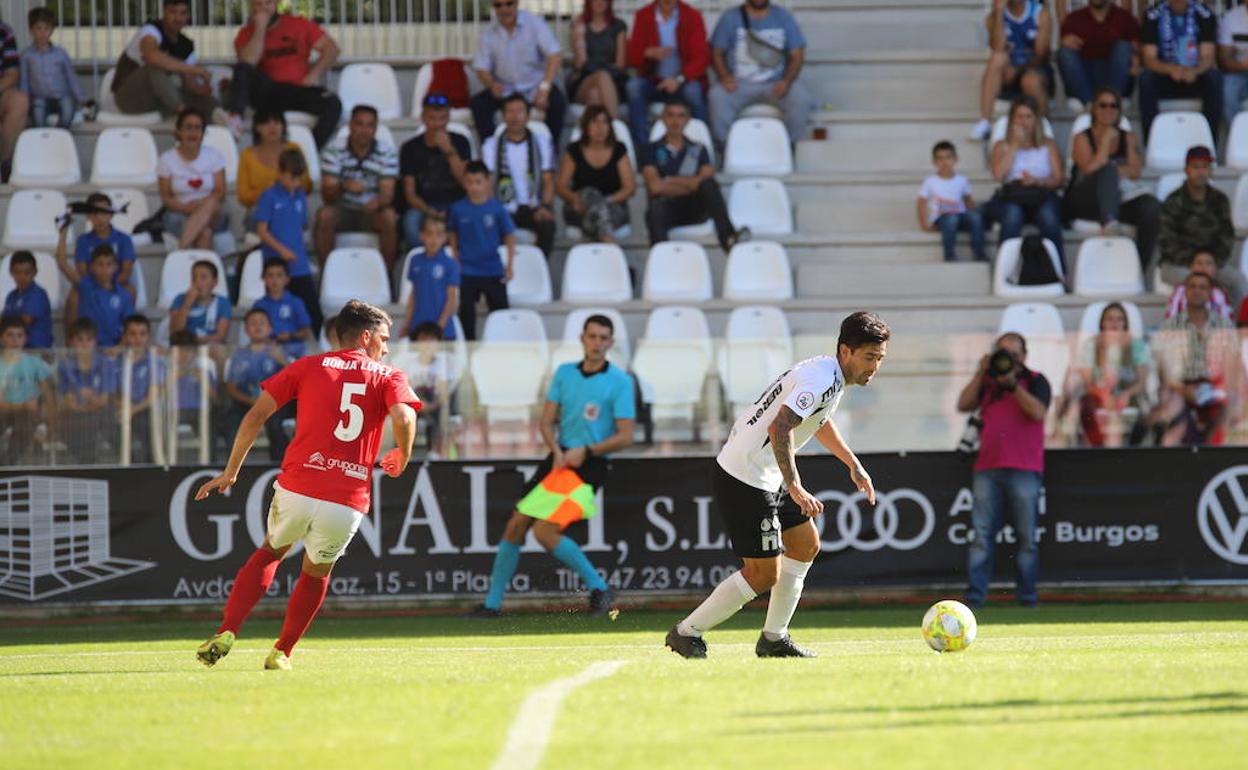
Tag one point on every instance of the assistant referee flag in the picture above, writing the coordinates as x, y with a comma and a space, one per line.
561, 498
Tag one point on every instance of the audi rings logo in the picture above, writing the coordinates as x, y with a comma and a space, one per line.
1225, 530
892, 524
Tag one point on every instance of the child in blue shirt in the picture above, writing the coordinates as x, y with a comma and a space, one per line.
86, 381
196, 384
147, 379
102, 233
28, 300
281, 215
249, 366
98, 297
479, 224
289, 319
200, 310
434, 275
24, 380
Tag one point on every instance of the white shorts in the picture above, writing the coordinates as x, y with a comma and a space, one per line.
324, 527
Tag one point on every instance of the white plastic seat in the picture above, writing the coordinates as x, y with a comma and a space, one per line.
508, 379
695, 130
569, 346
424, 79
677, 271
1081, 123
520, 325
175, 273
1239, 203
1008, 256
622, 135
296, 118
758, 147
111, 115
302, 136
672, 360
1237, 143
678, 322
30, 221
45, 157
704, 229
220, 139
1172, 135
251, 279
757, 345
530, 282
370, 83
1090, 321
1108, 267
534, 126
356, 240
125, 157
47, 275
1168, 183
596, 273
384, 135
1048, 351
761, 205
758, 270
460, 130
136, 207
353, 274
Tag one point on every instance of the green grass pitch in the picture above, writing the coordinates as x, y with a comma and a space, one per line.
1064, 686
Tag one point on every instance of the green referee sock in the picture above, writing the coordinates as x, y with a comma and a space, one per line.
571, 554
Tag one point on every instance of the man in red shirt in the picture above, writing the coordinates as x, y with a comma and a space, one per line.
273, 68
322, 492
1098, 49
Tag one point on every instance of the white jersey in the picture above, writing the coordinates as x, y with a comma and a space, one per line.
812, 389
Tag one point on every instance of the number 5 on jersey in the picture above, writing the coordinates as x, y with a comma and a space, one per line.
350, 426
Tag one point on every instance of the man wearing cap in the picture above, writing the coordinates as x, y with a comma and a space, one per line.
431, 167
517, 54
1196, 217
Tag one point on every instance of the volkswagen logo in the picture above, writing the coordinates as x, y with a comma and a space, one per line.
886, 525
1225, 531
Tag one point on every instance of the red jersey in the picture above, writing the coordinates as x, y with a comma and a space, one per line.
344, 398
287, 43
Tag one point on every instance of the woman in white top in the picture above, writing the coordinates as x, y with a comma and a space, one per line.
192, 184
1029, 167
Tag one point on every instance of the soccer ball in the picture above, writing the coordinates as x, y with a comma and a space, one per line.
949, 626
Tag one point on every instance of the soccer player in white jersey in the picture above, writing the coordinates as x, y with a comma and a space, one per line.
766, 509
322, 493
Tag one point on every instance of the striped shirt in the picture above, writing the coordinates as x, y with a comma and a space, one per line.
381, 162
1187, 352
49, 74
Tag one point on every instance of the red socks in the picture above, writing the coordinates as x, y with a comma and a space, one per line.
252, 580
305, 600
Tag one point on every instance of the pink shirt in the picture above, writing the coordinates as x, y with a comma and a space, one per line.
1009, 438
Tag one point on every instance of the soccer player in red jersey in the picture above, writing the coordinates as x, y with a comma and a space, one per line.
322, 492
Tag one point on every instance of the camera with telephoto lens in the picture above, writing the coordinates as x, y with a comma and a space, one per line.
1001, 363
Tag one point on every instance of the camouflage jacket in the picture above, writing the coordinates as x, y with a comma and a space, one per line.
1188, 225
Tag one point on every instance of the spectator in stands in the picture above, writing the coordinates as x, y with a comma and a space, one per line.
195, 383
1097, 50
1018, 34
1219, 304
47, 75
600, 53
86, 382
25, 381
258, 164
250, 365
1113, 369
1029, 168
669, 50
596, 179
289, 321
1105, 187
435, 277
14, 106
274, 70
147, 374
1178, 52
431, 167
100, 219
1198, 216
1012, 401
757, 53
358, 173
281, 216
159, 71
523, 165
517, 54
1233, 60
945, 204
200, 310
479, 224
1066, 7
1199, 363
429, 374
28, 302
99, 296
680, 181
192, 185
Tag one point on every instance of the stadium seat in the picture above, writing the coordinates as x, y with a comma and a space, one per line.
461, 130
111, 115
535, 126
596, 273
569, 347
757, 345
1237, 143
175, 273
353, 274
517, 325
1108, 267
302, 136
47, 275
30, 221
1081, 124
296, 118
124, 157
622, 134
220, 139
761, 205
530, 282
1239, 204
251, 279
758, 147
136, 208
672, 360
1090, 321
383, 135
140, 287
1007, 260
508, 379
1172, 134
762, 110
695, 131
758, 270
45, 157
1168, 183
373, 84
424, 79
677, 271
1048, 350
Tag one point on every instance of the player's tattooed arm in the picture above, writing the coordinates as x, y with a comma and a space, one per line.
781, 434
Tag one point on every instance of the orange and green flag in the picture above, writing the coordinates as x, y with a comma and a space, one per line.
561, 498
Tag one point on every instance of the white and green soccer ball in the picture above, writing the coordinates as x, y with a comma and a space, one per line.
949, 626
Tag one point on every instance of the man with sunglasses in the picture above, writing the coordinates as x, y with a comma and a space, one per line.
431, 167
1097, 49
517, 54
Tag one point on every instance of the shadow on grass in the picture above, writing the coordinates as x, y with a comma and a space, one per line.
1012, 703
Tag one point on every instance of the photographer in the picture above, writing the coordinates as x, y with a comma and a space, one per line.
1012, 401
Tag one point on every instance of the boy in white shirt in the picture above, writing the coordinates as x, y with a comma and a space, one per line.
945, 204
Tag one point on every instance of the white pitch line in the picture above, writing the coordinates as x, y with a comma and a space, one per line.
530, 732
